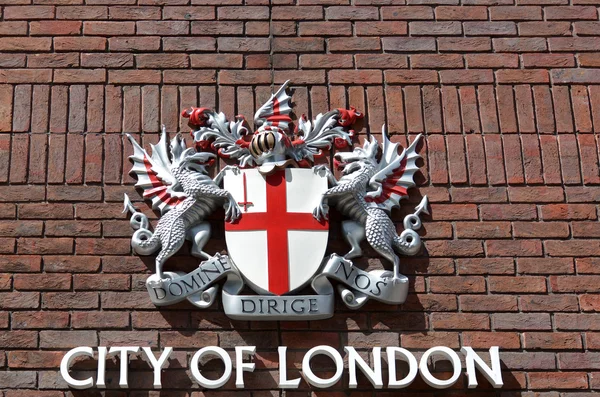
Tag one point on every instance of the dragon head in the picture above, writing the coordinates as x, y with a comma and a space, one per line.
360, 159
188, 158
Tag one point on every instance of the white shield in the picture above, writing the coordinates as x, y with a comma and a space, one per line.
277, 244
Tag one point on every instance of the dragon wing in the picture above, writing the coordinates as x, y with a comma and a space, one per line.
276, 111
227, 136
154, 172
318, 135
395, 174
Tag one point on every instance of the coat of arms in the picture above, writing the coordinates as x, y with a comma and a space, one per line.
276, 203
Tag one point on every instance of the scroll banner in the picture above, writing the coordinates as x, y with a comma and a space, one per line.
362, 285
199, 287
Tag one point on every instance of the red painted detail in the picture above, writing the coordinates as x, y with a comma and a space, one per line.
340, 143
389, 186
221, 154
159, 188
204, 144
348, 117
245, 203
242, 143
304, 163
197, 116
277, 222
273, 119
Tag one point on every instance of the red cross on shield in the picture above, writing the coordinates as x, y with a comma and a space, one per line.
277, 244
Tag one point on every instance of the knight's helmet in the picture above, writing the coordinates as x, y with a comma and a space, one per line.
269, 141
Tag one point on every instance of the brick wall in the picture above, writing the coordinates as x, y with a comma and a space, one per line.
508, 97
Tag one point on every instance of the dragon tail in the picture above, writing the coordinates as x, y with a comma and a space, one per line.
407, 243
143, 241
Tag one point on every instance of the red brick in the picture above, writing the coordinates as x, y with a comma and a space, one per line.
558, 380
46, 282
134, 43
192, 13
461, 13
408, 44
134, 77
450, 28
509, 248
520, 44
552, 340
490, 28
29, 12
407, 13
379, 28
135, 13
104, 319
510, 13
544, 28
40, 320
576, 284
163, 28
67, 339
235, 44
482, 340
71, 264
54, 28
571, 12
352, 13
94, 28
436, 61
81, 12
550, 303
568, 211
466, 321
488, 303
79, 44
521, 321
34, 359
70, 300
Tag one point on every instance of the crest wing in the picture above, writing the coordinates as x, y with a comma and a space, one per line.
395, 174
318, 135
276, 111
227, 136
154, 172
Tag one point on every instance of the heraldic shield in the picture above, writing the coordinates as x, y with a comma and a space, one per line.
277, 245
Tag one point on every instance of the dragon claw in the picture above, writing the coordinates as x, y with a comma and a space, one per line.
317, 169
320, 212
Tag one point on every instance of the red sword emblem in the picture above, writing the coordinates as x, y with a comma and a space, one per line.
245, 203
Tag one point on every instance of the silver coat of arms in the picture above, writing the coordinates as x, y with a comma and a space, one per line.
276, 203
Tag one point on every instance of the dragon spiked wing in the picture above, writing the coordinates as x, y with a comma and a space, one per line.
395, 174
276, 111
154, 172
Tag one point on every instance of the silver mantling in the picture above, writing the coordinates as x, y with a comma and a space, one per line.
374, 179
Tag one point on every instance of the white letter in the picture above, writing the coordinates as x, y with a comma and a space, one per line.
211, 351
374, 375
284, 383
102, 352
450, 355
124, 351
407, 357
315, 380
159, 364
66, 363
240, 366
493, 375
